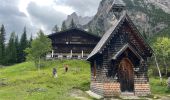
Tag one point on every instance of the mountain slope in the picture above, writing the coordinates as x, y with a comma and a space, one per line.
147, 15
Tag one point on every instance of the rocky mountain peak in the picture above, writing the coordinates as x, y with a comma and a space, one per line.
78, 20
73, 15
144, 13
148, 15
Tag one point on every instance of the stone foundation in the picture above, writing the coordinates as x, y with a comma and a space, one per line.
142, 89
111, 89
97, 88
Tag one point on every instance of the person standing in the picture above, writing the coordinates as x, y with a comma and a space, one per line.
66, 68
55, 73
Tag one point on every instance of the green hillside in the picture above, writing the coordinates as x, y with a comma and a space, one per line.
24, 82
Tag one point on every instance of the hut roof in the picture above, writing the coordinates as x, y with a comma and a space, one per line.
113, 30
73, 29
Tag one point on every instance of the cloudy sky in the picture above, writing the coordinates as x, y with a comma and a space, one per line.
41, 14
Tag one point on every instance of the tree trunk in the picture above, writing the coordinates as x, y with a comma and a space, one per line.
157, 65
166, 67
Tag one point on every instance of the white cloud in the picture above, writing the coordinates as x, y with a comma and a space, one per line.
64, 9
82, 7
45, 17
45, 14
36, 14
23, 4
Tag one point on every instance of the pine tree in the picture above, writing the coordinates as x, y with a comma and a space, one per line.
90, 30
2, 45
55, 29
72, 24
23, 45
64, 27
29, 42
11, 54
17, 49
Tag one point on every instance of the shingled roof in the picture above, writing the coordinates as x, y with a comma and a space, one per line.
73, 29
113, 30
106, 36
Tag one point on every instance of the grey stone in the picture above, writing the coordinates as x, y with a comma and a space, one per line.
94, 95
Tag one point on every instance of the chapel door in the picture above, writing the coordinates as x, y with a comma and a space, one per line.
125, 75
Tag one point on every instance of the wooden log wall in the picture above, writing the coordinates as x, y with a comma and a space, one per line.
96, 85
142, 87
106, 84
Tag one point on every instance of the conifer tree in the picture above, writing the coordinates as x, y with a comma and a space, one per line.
11, 50
64, 27
72, 24
55, 29
2, 44
23, 45
90, 30
17, 48
29, 42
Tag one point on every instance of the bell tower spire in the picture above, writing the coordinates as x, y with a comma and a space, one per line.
118, 7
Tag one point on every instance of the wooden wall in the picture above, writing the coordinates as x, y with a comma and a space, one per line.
73, 40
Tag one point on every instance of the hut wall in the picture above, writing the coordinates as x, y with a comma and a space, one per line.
110, 83
97, 87
96, 77
106, 82
72, 44
141, 85
111, 89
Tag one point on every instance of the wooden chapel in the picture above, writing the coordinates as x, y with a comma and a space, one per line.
119, 60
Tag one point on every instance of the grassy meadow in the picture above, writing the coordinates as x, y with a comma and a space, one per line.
24, 82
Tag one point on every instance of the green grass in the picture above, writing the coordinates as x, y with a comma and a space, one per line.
24, 82
159, 88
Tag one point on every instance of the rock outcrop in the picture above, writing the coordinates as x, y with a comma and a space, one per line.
78, 20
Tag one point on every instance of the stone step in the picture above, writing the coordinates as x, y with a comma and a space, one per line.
130, 98
127, 94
